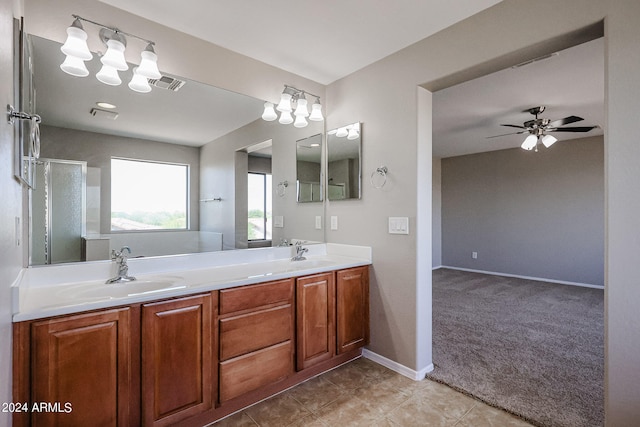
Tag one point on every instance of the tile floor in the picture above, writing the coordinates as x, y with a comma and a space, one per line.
364, 393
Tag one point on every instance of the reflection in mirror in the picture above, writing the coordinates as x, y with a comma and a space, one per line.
179, 122
344, 173
308, 169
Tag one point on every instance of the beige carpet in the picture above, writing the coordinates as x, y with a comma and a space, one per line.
535, 349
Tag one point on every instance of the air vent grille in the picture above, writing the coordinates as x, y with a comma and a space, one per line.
166, 82
97, 112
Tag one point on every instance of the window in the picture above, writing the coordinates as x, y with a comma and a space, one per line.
259, 204
149, 195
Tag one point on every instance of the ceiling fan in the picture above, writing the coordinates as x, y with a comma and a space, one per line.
539, 128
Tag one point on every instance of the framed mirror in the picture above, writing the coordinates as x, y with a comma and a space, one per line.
344, 168
309, 169
179, 122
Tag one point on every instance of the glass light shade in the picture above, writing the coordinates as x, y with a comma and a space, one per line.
549, 140
149, 65
108, 75
530, 142
353, 134
286, 118
139, 83
301, 108
114, 56
76, 44
316, 112
342, 132
300, 121
74, 66
269, 113
285, 104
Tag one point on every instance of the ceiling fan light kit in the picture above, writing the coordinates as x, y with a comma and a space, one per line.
539, 129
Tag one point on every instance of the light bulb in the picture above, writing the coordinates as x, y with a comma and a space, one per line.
269, 113
74, 66
76, 43
316, 112
353, 134
286, 118
300, 121
114, 56
285, 104
301, 108
342, 132
139, 83
108, 75
149, 64
549, 140
530, 142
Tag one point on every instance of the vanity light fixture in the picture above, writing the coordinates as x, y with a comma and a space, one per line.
289, 98
77, 52
350, 131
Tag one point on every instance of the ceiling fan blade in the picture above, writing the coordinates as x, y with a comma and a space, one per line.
505, 134
572, 129
565, 121
515, 126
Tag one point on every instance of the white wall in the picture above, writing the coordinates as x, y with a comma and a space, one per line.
436, 225
10, 208
622, 157
529, 214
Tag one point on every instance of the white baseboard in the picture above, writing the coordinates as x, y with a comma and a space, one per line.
436, 267
539, 279
397, 367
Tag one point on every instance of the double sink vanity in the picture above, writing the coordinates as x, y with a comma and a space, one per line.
192, 339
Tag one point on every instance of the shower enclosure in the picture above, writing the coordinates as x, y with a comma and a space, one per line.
58, 211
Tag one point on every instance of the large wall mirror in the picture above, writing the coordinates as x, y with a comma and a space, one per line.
344, 175
184, 145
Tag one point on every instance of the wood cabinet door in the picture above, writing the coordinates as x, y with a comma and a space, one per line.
352, 308
81, 370
177, 359
315, 313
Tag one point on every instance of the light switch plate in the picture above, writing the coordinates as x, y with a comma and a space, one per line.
278, 221
398, 225
334, 222
318, 222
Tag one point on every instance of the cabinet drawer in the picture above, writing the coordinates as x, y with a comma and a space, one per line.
252, 331
254, 370
254, 296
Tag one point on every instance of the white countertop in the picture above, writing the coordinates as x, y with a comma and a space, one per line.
41, 292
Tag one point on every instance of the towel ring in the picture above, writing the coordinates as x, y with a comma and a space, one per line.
379, 175
281, 189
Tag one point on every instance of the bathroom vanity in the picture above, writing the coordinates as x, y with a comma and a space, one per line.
193, 353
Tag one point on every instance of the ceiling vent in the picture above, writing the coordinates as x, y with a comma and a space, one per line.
97, 112
166, 82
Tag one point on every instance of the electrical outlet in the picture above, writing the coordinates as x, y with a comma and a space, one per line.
334, 222
318, 222
474, 255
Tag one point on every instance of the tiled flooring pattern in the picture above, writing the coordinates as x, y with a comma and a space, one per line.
363, 393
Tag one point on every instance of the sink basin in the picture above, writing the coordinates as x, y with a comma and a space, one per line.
124, 289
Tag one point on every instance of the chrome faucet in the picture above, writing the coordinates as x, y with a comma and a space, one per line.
299, 252
123, 269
